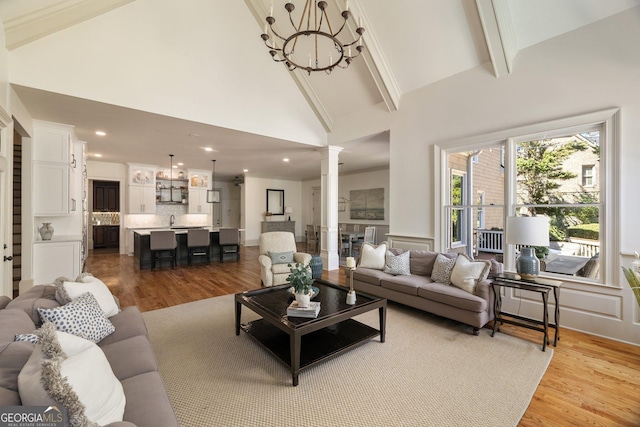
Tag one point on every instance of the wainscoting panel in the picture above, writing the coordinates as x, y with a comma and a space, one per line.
408, 242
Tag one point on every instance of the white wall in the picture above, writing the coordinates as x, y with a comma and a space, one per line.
154, 62
256, 205
590, 69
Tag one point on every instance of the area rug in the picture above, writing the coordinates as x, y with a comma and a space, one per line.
429, 372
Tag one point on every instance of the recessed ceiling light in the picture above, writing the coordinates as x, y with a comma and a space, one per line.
208, 149
100, 133
175, 166
180, 164
194, 135
97, 155
245, 170
285, 159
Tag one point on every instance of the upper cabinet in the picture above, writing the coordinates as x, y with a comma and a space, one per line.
198, 186
54, 164
53, 142
142, 175
141, 189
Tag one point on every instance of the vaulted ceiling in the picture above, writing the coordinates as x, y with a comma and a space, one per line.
409, 44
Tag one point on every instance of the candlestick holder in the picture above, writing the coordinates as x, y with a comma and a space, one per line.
351, 295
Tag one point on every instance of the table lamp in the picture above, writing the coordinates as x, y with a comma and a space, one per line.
351, 266
530, 231
288, 210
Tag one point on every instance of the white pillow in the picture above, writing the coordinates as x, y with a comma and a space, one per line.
372, 256
99, 290
467, 273
73, 372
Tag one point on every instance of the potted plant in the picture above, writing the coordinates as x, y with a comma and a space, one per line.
633, 277
301, 281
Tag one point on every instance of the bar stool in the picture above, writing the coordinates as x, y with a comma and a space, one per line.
163, 241
198, 244
229, 242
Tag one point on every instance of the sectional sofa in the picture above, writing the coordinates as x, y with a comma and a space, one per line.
418, 285
127, 350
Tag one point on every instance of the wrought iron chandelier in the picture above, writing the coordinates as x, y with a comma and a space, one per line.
312, 38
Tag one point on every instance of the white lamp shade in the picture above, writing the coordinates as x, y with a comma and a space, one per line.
528, 230
288, 209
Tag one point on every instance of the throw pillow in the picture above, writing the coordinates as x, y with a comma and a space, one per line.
397, 265
75, 373
442, 269
496, 269
68, 291
82, 317
281, 257
32, 338
373, 256
467, 273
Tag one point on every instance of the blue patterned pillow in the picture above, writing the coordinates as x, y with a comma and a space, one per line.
82, 317
281, 257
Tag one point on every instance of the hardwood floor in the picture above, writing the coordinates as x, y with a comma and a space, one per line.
590, 381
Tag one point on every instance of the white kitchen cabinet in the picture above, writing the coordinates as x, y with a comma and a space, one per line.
53, 259
54, 164
52, 142
141, 189
142, 199
51, 186
198, 201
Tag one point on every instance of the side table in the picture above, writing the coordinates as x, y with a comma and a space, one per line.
538, 285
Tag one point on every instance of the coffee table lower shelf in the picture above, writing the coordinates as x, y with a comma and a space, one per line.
316, 346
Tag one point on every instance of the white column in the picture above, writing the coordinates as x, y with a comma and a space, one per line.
329, 214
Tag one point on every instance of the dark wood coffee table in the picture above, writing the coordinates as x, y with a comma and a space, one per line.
301, 342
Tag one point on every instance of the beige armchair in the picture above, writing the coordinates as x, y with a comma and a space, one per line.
278, 242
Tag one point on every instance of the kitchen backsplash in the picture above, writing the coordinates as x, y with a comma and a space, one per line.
105, 218
162, 216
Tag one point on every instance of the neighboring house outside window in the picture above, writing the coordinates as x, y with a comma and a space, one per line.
587, 175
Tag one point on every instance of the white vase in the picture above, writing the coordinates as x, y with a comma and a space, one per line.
303, 300
46, 231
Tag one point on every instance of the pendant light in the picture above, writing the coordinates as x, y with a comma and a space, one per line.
213, 195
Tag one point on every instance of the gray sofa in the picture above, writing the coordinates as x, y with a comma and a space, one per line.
128, 351
419, 291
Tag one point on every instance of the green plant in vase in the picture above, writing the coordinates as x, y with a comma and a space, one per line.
300, 280
633, 277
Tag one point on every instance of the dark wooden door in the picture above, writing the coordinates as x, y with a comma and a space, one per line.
106, 196
98, 236
112, 236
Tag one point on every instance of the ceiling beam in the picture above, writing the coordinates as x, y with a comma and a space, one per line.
55, 17
374, 57
499, 34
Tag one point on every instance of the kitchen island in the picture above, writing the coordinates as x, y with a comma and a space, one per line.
142, 251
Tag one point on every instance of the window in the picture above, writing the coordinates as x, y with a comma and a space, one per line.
587, 175
563, 169
457, 215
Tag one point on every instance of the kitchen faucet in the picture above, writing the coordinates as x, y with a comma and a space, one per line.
172, 220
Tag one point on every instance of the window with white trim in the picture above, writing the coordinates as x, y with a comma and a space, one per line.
563, 169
